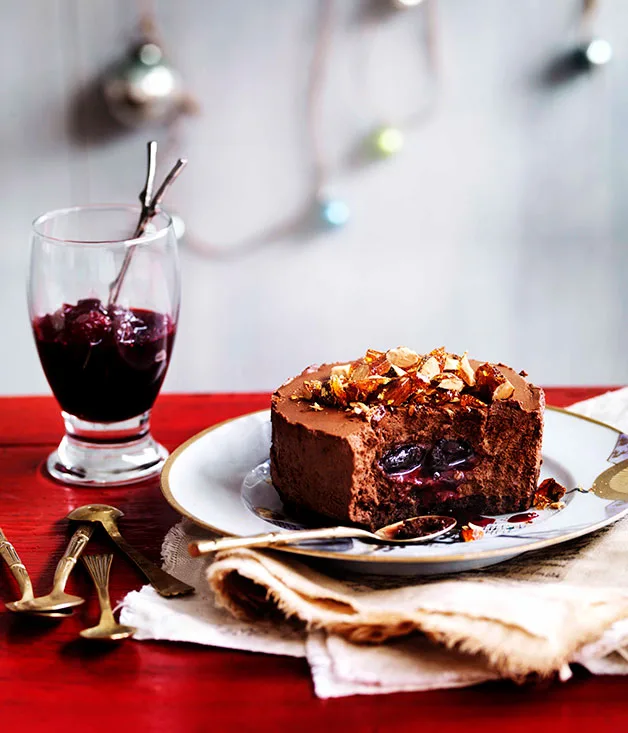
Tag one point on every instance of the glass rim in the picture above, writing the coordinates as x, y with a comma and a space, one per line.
144, 239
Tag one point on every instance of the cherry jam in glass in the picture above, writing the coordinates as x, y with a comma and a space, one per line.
104, 363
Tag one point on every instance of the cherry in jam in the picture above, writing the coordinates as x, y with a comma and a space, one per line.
438, 467
104, 364
446, 454
403, 458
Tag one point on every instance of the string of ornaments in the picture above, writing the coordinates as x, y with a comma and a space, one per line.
143, 88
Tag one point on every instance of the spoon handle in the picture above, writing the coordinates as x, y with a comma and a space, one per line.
203, 547
16, 566
164, 583
72, 553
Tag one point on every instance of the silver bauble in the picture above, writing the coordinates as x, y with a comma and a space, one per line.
143, 88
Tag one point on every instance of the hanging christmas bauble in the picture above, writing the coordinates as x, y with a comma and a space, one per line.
333, 212
404, 4
387, 141
143, 88
597, 52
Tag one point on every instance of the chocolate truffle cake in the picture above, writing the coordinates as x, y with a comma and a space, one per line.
398, 434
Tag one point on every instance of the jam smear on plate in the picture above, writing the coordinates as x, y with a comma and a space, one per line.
525, 517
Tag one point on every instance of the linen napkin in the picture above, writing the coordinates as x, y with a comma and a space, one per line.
533, 615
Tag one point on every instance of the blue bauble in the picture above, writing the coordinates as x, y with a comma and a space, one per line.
334, 212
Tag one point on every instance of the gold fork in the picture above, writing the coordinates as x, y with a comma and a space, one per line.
107, 629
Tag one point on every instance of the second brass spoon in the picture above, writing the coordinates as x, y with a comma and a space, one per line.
107, 516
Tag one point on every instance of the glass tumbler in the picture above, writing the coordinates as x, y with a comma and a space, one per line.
104, 350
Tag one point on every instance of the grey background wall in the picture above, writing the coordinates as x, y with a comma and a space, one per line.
501, 228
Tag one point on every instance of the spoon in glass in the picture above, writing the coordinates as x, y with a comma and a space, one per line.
413, 530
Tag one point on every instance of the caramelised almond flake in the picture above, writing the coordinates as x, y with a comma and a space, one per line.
359, 408
451, 382
316, 407
398, 391
503, 391
360, 391
311, 387
452, 363
361, 371
549, 494
466, 370
373, 355
380, 366
430, 368
341, 370
487, 381
337, 389
471, 532
402, 357
472, 402
440, 355
399, 372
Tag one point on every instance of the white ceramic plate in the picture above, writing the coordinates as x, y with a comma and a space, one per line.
219, 479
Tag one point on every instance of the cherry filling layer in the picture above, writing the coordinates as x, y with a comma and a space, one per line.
439, 468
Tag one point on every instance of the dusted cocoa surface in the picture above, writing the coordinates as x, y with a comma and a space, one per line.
327, 461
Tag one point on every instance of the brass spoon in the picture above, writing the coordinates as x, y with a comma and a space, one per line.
57, 599
413, 530
164, 583
107, 629
17, 567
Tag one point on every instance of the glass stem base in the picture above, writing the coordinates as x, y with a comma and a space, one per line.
106, 454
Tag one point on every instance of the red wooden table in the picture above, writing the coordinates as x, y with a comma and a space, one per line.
51, 679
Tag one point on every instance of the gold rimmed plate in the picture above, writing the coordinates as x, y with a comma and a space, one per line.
219, 479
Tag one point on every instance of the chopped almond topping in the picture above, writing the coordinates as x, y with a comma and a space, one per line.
359, 408
402, 357
398, 370
380, 381
341, 370
466, 370
373, 355
503, 391
430, 368
452, 382
491, 384
360, 372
